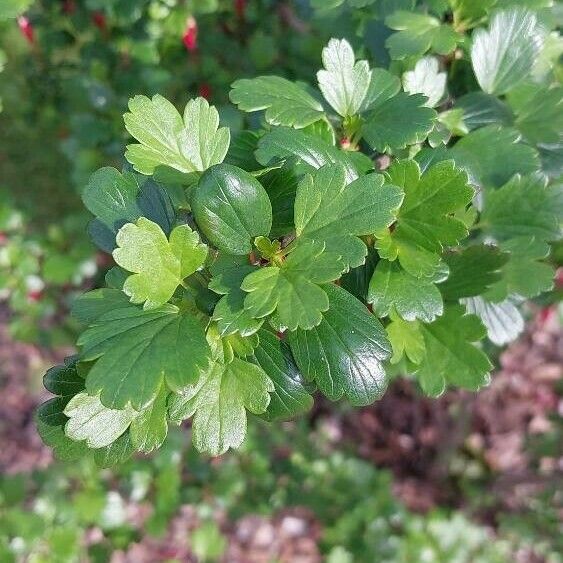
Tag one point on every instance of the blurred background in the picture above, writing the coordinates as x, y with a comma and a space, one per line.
466, 478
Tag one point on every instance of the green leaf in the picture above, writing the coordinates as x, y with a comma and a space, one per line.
523, 275
280, 185
504, 55
397, 122
91, 421
503, 321
64, 381
93, 304
191, 144
291, 289
539, 117
451, 358
13, 8
116, 199
344, 353
116, 453
524, 207
159, 265
391, 287
425, 223
473, 270
469, 13
406, 340
426, 79
344, 82
480, 109
328, 210
309, 151
285, 102
383, 85
290, 397
504, 157
417, 33
138, 350
231, 208
148, 429
218, 404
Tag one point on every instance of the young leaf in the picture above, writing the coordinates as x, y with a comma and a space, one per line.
191, 144
289, 397
504, 55
159, 265
397, 122
91, 421
426, 79
344, 354
291, 289
231, 208
137, 350
524, 207
469, 13
148, 430
473, 270
413, 298
344, 82
328, 210
425, 224
451, 358
218, 404
285, 102
406, 340
503, 321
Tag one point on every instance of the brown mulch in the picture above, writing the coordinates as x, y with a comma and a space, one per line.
421, 439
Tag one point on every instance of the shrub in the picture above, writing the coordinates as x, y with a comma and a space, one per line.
356, 233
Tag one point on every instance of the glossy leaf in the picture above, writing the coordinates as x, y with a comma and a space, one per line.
344, 354
231, 208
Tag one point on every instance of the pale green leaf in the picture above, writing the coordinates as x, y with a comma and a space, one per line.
189, 144
344, 82
91, 421
426, 79
159, 265
505, 54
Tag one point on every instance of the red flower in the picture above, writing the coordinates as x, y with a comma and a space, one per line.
240, 8
69, 6
35, 296
99, 20
204, 90
26, 29
190, 35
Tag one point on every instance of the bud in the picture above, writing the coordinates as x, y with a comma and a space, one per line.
26, 29
345, 143
190, 35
